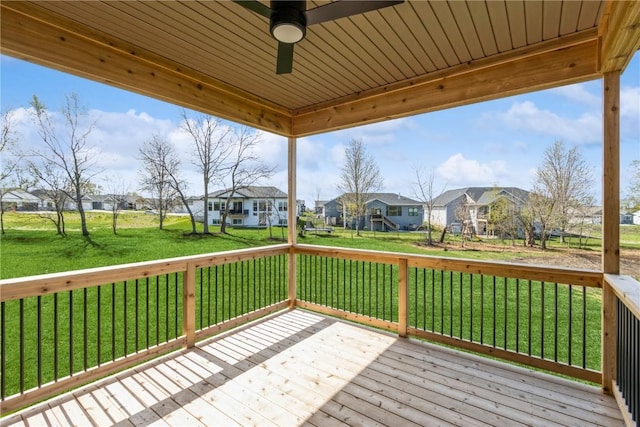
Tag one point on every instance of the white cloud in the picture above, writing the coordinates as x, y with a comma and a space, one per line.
458, 170
526, 116
579, 93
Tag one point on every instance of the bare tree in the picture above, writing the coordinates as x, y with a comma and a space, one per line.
360, 176
543, 206
155, 155
10, 159
244, 167
69, 151
55, 184
212, 149
565, 177
117, 190
634, 185
423, 191
526, 218
177, 183
463, 214
503, 220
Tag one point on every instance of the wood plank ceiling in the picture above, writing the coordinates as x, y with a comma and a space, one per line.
419, 56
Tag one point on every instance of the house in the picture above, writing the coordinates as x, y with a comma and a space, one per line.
384, 212
472, 204
19, 200
252, 206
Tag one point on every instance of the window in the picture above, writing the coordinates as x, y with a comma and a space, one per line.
219, 206
210, 206
237, 221
236, 207
215, 221
394, 211
282, 206
413, 211
282, 221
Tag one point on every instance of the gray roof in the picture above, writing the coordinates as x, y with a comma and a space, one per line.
386, 198
252, 192
482, 195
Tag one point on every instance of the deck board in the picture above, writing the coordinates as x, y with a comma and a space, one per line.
299, 368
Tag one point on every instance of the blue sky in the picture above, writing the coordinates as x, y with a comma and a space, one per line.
492, 143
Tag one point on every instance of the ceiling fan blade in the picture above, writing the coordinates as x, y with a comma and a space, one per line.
285, 58
255, 6
341, 9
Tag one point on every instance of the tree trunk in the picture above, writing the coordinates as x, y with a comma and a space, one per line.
205, 226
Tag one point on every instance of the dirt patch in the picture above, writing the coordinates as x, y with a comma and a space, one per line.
565, 257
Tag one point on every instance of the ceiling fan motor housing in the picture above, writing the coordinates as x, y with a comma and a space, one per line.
288, 22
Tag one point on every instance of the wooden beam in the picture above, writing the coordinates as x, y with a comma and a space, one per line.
189, 305
477, 82
610, 220
36, 35
611, 174
619, 34
292, 218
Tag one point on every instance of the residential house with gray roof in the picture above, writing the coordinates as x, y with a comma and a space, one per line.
384, 212
474, 203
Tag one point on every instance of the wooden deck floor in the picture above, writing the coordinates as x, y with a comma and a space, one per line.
299, 368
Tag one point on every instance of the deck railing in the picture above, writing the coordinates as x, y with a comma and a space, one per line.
626, 349
62, 330
548, 318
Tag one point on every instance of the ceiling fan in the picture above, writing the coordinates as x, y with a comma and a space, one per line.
288, 21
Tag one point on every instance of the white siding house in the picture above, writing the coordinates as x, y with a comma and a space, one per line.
252, 206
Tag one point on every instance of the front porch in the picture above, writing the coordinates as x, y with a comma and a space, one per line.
301, 368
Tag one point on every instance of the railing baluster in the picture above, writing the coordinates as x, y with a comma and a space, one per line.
21, 345
555, 323
3, 349
517, 315
39, 343
70, 333
85, 329
99, 326
55, 336
530, 305
542, 314
570, 325
137, 320
125, 316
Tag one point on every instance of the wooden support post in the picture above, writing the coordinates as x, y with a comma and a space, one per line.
189, 305
403, 297
292, 220
610, 221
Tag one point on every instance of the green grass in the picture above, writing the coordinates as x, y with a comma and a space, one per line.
31, 247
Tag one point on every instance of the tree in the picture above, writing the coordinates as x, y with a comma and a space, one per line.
543, 207
212, 149
55, 184
463, 214
244, 167
360, 176
502, 218
424, 192
70, 152
634, 185
155, 155
565, 178
117, 190
176, 183
10, 158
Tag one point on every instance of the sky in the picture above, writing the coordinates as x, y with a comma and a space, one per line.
485, 144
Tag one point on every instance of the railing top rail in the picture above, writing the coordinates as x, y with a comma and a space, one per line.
22, 287
627, 289
590, 278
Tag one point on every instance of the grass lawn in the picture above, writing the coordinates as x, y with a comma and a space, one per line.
462, 306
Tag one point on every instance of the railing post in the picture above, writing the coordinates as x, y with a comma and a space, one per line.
403, 296
610, 220
189, 305
292, 220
